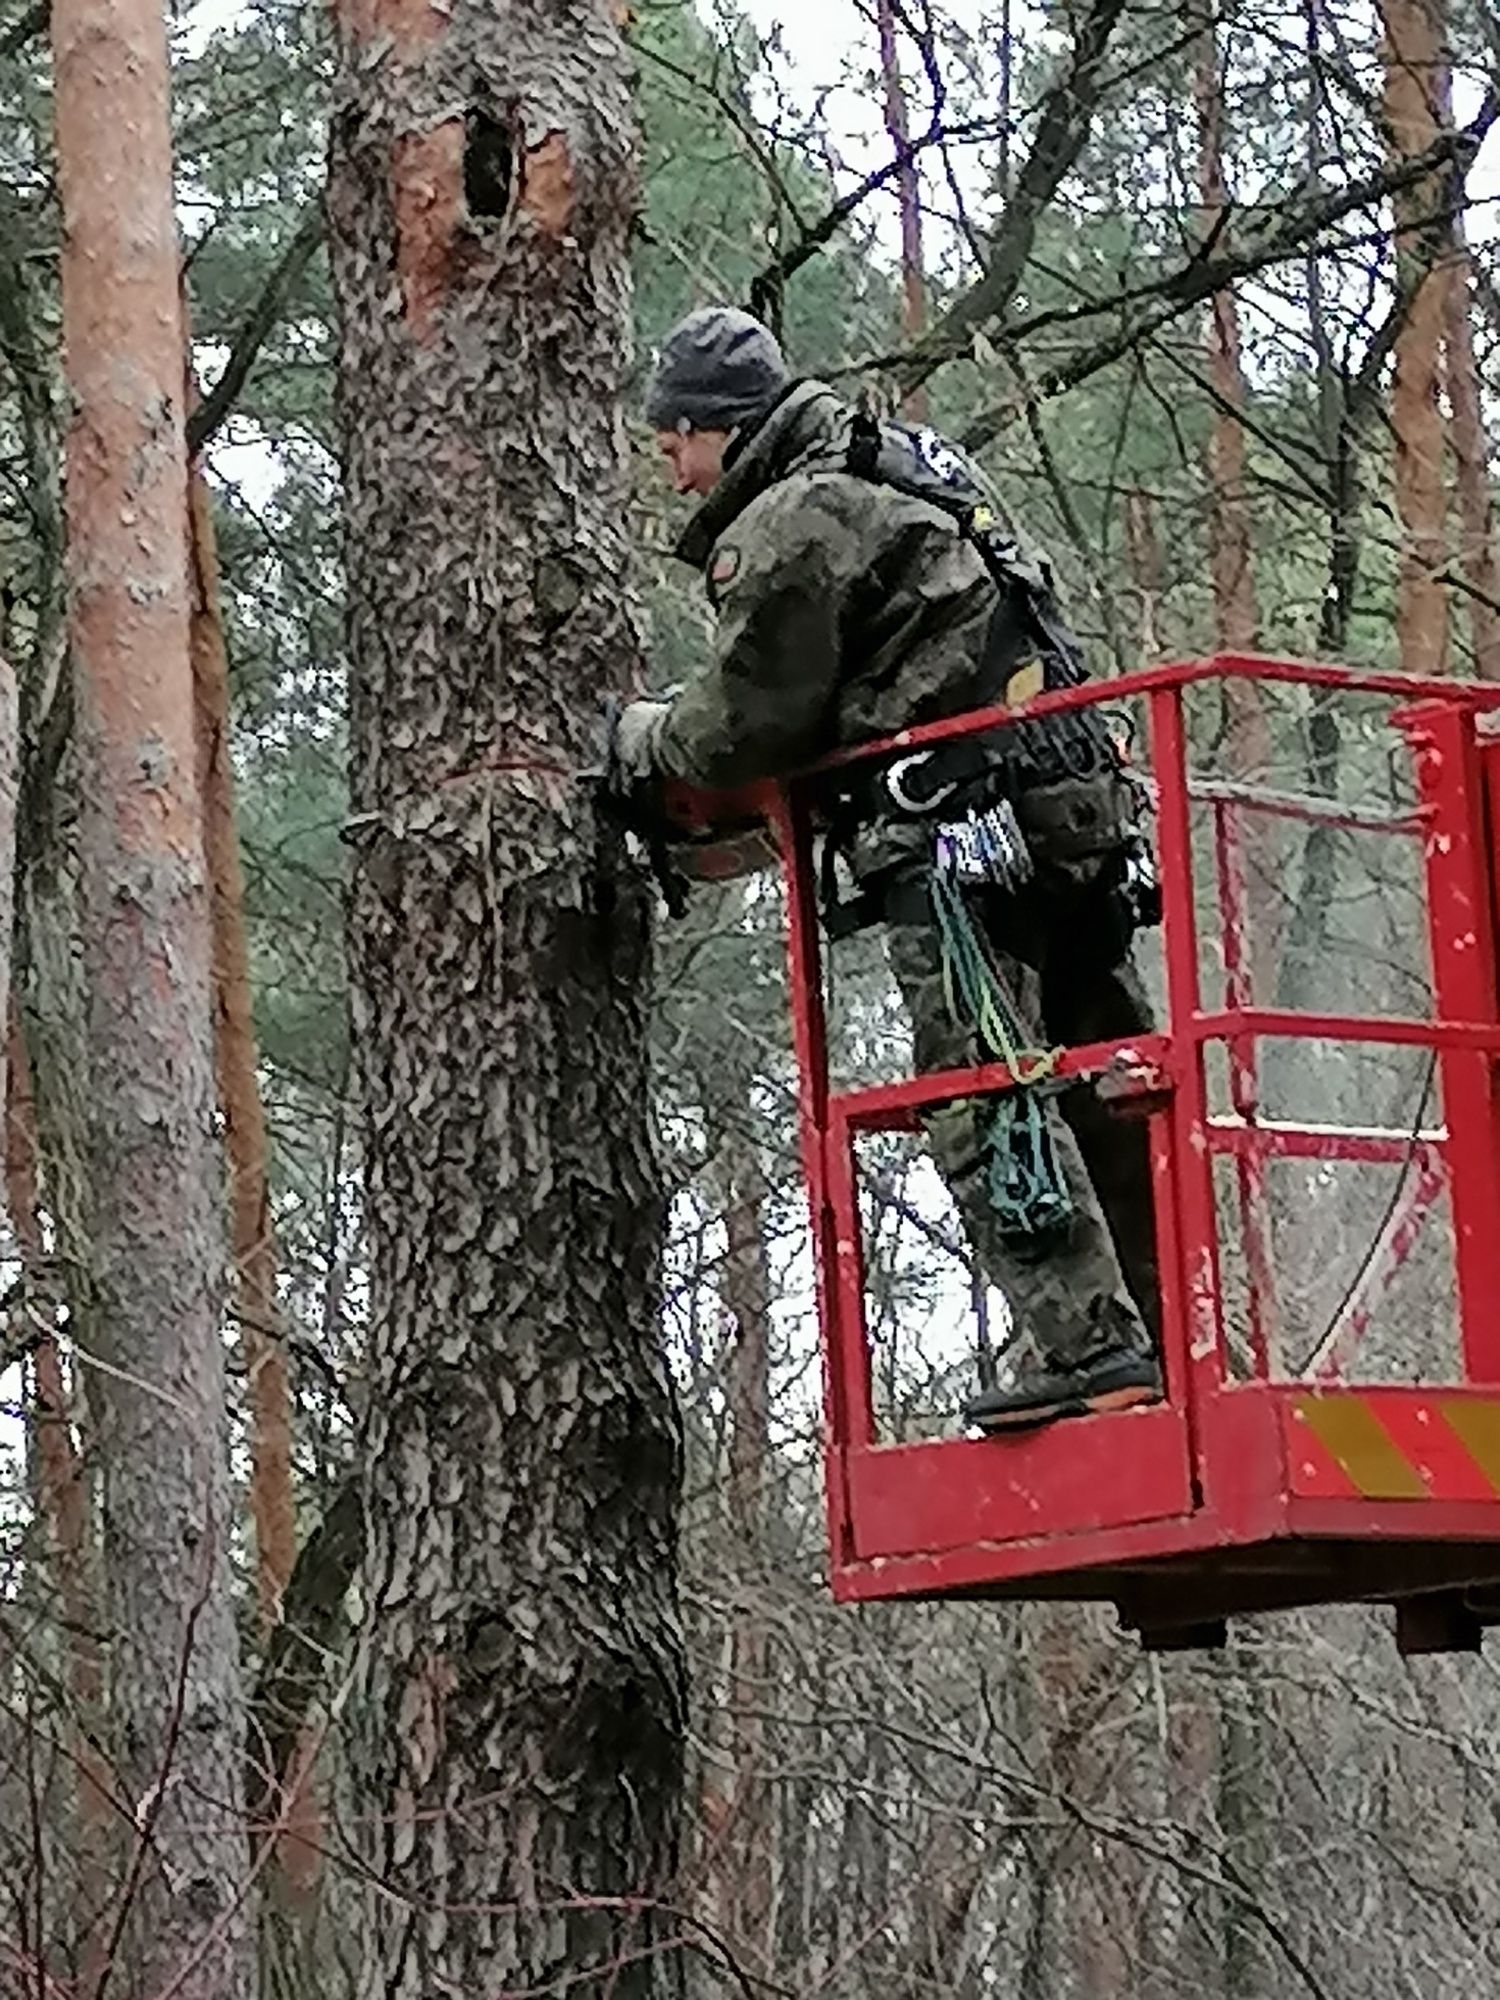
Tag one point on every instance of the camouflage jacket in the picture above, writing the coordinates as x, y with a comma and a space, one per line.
846, 610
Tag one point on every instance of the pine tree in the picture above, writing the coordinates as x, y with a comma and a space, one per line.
522, 1699
158, 1250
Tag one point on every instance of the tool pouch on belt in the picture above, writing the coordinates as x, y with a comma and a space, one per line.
1074, 824
1091, 832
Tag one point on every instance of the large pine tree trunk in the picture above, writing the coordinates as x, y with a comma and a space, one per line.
522, 1696
158, 1252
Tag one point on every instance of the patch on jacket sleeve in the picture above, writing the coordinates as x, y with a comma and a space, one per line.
725, 568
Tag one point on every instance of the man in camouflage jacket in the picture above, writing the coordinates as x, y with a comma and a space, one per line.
847, 611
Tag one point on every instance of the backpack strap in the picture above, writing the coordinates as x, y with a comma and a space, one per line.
865, 440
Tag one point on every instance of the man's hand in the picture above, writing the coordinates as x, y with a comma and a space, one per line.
633, 758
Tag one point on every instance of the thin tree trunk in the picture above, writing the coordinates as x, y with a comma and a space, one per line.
1344, 410
1143, 551
43, 959
1248, 1811
1475, 489
1236, 620
10, 777
1412, 55
1086, 1944
61, 1494
292, 1882
1007, 99
743, 1857
522, 1669
62, 1502
1247, 735
1203, 1771
1254, 841
908, 194
252, 1238
956, 1869
175, 1700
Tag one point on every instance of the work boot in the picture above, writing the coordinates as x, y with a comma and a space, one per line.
1118, 1380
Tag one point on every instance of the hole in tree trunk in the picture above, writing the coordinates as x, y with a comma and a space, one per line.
489, 164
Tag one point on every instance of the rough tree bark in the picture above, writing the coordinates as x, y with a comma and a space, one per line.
158, 1252
522, 1667
252, 1239
1412, 55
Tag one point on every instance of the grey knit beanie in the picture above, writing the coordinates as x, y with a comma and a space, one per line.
717, 370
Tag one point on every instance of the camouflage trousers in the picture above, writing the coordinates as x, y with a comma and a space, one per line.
1088, 1285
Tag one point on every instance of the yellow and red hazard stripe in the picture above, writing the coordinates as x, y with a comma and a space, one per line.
1393, 1445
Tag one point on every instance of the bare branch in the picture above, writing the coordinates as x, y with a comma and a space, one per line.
768, 282
211, 413
1280, 236
1067, 114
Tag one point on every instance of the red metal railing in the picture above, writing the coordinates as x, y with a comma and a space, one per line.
1455, 776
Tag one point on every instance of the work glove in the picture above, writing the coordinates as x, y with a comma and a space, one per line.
631, 794
636, 734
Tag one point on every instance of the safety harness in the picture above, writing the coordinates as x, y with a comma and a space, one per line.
973, 774
967, 791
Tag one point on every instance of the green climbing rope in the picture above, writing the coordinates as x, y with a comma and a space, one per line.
1026, 1185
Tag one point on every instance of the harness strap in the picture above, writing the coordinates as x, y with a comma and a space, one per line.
865, 439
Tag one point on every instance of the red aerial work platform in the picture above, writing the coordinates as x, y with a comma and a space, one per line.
1242, 1491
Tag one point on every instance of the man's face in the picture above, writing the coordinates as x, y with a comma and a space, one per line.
696, 458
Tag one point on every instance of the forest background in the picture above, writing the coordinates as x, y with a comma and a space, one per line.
1215, 294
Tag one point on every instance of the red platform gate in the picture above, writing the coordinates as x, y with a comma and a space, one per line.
1231, 1495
